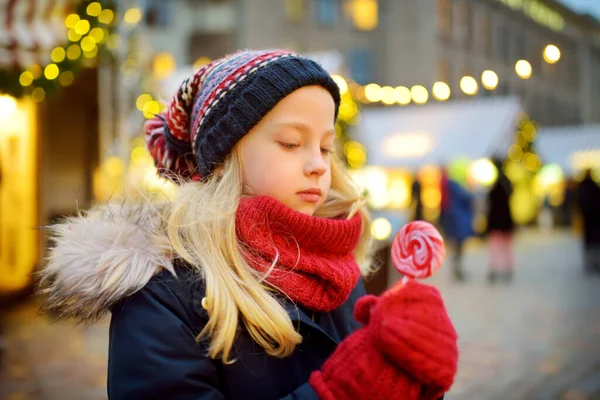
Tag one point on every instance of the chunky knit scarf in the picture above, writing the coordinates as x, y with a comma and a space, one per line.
313, 257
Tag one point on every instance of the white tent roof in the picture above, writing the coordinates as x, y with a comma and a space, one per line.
439, 132
571, 147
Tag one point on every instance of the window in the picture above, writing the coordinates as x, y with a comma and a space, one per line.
487, 43
295, 10
158, 13
360, 63
328, 11
365, 14
444, 19
444, 71
502, 41
463, 24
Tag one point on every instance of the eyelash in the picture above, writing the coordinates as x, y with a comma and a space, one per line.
292, 146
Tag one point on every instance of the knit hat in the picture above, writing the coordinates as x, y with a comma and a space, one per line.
215, 107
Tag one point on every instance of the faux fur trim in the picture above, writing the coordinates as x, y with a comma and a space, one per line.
100, 257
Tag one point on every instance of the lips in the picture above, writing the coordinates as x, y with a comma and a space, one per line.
312, 195
316, 191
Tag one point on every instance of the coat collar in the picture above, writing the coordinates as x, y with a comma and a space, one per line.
336, 324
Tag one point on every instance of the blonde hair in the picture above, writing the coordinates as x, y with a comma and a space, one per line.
201, 229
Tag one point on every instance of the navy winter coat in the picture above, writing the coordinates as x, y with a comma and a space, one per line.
153, 353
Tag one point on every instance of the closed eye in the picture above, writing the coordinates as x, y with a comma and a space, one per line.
326, 151
288, 146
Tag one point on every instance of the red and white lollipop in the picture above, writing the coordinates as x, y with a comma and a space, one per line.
418, 250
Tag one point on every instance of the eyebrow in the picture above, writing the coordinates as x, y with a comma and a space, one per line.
302, 127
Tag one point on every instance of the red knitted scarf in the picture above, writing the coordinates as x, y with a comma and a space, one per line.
315, 264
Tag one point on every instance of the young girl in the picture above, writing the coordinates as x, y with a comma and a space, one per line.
247, 285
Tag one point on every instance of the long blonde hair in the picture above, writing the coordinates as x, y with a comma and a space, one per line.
201, 229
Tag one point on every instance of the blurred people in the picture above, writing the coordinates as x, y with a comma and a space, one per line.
416, 200
456, 218
546, 215
569, 203
500, 228
589, 204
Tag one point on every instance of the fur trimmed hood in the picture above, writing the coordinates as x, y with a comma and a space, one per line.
101, 257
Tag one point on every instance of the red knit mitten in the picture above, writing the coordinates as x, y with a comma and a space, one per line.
406, 350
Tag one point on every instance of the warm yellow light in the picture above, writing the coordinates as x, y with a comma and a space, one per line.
388, 95
431, 197
94, 9
529, 131
114, 41
26, 78
399, 190
484, 172
489, 80
73, 52
88, 43
106, 16
406, 145
71, 20
468, 85
365, 14
97, 34
91, 53
8, 105
82, 27
376, 183
151, 109
36, 70
201, 62
551, 54
58, 54
341, 82
441, 91
373, 92
419, 94
532, 162
133, 16
38, 95
357, 158
66, 78
381, 229
402, 95
51, 71
515, 153
523, 69
73, 36
142, 100
163, 65
550, 174
114, 166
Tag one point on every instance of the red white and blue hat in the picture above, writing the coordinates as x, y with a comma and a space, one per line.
214, 108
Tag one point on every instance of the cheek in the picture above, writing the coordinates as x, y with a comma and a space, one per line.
267, 175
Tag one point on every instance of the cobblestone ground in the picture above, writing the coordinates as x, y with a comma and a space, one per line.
536, 338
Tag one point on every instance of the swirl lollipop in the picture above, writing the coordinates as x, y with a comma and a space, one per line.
418, 250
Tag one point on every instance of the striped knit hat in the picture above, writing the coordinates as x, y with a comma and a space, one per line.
220, 103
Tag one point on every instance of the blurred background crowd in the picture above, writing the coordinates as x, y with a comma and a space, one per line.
481, 116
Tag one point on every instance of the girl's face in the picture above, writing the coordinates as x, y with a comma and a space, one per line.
287, 155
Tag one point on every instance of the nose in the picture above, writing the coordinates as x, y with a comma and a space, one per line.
315, 164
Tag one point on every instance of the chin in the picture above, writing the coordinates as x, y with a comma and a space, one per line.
307, 209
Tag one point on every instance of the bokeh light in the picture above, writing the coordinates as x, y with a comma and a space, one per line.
419, 94
381, 229
489, 79
403, 96
551, 54
468, 85
523, 69
441, 91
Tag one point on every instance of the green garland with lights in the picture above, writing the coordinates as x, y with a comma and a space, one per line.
90, 35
